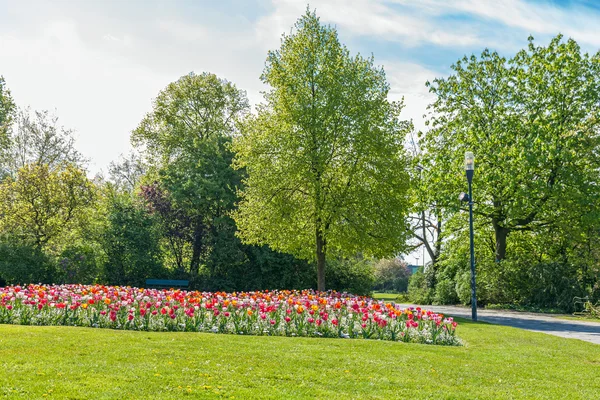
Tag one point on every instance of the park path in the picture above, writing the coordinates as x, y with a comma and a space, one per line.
545, 323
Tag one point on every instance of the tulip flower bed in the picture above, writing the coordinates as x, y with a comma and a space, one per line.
277, 313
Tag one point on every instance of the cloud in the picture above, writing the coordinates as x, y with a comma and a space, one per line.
544, 18
126, 40
95, 91
100, 66
183, 31
453, 24
367, 18
99, 71
531, 17
407, 80
364, 17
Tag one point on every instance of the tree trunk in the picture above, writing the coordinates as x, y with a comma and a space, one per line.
501, 234
321, 249
438, 241
433, 252
425, 241
178, 256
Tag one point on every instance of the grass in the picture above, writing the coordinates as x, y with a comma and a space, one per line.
584, 318
497, 362
522, 308
401, 297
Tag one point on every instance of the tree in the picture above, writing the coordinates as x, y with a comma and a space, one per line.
41, 204
127, 173
186, 142
7, 108
38, 139
23, 263
130, 241
533, 123
177, 227
427, 217
324, 156
391, 274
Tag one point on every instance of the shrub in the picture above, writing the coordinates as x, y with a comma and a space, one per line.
233, 266
445, 292
553, 284
23, 263
463, 287
131, 243
351, 275
391, 275
77, 263
418, 291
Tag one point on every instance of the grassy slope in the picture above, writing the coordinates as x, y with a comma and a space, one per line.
498, 362
582, 318
385, 296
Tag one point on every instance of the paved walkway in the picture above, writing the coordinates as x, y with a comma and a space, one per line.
582, 330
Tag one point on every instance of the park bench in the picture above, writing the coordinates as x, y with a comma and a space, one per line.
167, 284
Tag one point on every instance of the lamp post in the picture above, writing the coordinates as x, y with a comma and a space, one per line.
470, 170
421, 168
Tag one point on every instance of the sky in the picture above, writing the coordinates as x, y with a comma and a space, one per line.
98, 64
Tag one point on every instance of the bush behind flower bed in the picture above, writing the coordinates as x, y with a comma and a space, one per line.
277, 313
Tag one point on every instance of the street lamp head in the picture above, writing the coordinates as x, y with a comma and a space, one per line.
469, 161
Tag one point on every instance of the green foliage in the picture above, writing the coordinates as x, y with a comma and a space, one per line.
536, 200
542, 109
541, 271
445, 292
37, 138
274, 270
185, 140
463, 287
391, 274
47, 204
353, 275
418, 290
41, 204
126, 174
324, 155
131, 242
7, 104
7, 110
235, 266
22, 263
78, 263
187, 115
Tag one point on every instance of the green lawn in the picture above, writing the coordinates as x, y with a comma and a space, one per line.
582, 318
387, 296
497, 362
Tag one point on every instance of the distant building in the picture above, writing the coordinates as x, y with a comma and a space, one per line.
413, 268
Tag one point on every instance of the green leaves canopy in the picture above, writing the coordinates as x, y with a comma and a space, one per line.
7, 107
42, 204
324, 155
185, 140
7, 110
533, 123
